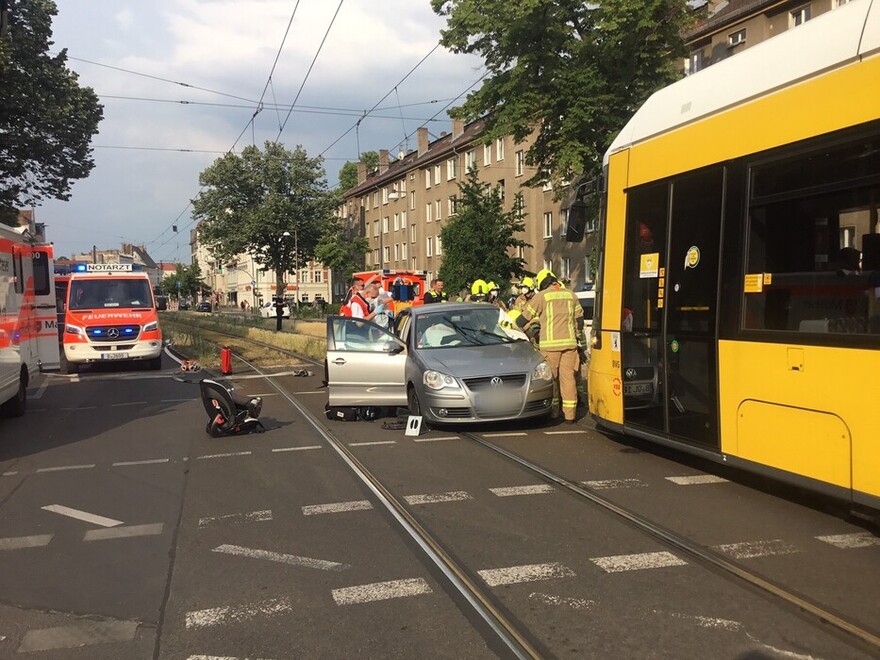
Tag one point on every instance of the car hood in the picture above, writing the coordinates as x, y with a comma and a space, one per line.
473, 361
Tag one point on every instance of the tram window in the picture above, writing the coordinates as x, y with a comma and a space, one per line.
818, 261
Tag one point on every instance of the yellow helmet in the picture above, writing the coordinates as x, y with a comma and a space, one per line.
479, 288
528, 281
491, 286
545, 278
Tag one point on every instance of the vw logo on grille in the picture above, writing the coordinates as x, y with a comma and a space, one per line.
496, 382
113, 333
630, 373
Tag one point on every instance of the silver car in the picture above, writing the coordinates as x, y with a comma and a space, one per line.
449, 362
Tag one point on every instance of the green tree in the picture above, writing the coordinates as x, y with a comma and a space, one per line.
573, 70
479, 239
189, 279
348, 173
341, 249
46, 119
272, 204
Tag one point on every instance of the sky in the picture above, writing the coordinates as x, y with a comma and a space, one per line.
143, 59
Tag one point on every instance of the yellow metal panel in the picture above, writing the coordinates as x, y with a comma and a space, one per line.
837, 100
831, 382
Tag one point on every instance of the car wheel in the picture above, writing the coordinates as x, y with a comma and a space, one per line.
412, 401
16, 406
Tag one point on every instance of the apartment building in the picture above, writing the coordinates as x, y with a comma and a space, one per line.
724, 28
402, 206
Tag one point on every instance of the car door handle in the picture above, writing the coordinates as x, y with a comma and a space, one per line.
339, 361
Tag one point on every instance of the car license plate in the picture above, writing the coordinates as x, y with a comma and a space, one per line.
638, 389
114, 356
500, 400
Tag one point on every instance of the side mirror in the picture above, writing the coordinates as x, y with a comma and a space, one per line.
393, 348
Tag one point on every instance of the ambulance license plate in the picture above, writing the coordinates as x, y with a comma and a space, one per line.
114, 356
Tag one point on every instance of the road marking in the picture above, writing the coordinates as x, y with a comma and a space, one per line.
454, 496
496, 577
61, 468
608, 484
573, 603
128, 403
127, 531
502, 435
176, 400
753, 549
280, 449
849, 541
637, 562
82, 408
697, 479
710, 622
12, 473
40, 391
216, 657
445, 437
370, 444
229, 455
82, 515
511, 491
19, 542
253, 516
216, 616
154, 461
338, 507
572, 432
292, 560
82, 633
368, 593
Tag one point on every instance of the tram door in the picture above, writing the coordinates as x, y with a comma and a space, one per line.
668, 343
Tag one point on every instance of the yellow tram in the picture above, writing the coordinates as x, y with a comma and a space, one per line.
738, 305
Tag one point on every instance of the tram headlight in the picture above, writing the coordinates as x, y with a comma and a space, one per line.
434, 380
542, 372
71, 329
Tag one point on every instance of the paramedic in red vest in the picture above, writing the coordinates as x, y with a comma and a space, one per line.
360, 301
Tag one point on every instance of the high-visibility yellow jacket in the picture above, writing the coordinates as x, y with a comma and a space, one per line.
561, 317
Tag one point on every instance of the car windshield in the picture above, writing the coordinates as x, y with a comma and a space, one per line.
110, 293
473, 327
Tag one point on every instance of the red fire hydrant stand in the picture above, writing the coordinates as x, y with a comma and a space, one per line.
226, 360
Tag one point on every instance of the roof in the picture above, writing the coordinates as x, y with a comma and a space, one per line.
146, 259
732, 12
836, 38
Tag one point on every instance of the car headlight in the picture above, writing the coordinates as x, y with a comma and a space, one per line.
71, 329
435, 380
149, 327
542, 372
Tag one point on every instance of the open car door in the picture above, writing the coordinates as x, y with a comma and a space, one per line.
366, 364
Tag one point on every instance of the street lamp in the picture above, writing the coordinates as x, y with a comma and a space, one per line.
296, 265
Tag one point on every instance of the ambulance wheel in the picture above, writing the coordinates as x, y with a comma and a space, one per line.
156, 363
68, 367
16, 406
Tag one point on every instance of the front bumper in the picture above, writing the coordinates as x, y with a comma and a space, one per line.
82, 352
466, 407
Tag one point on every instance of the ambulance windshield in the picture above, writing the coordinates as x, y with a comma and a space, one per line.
109, 293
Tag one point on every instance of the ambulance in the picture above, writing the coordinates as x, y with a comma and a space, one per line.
406, 287
110, 315
28, 335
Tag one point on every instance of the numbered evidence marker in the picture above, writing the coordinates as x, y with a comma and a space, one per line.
413, 425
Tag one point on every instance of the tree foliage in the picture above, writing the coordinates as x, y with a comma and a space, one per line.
348, 173
189, 279
479, 239
250, 201
46, 119
341, 249
573, 70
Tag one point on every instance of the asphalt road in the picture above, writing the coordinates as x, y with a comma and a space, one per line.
127, 532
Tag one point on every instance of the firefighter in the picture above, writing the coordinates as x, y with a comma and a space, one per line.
526, 291
562, 323
479, 291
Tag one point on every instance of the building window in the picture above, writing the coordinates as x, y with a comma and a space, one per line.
565, 268
375, 227
436, 175
376, 256
403, 221
487, 155
548, 265
429, 212
453, 205
499, 149
396, 224
500, 188
800, 16
429, 246
412, 201
304, 297
438, 210
548, 224
451, 168
396, 252
470, 159
412, 233
403, 252
520, 162
548, 186
316, 277
386, 254
439, 246
385, 225
427, 177
384, 195
736, 38
413, 264
695, 63
588, 276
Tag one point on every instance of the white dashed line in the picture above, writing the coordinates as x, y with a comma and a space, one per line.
229, 455
281, 449
291, 560
371, 444
221, 615
637, 562
128, 403
368, 593
753, 549
20, 542
572, 603
711, 622
455, 496
696, 480
445, 437
572, 432
62, 468
610, 484
338, 507
217, 657
40, 391
537, 489
154, 461
502, 435
12, 473
82, 515
124, 532
253, 516
850, 541
496, 577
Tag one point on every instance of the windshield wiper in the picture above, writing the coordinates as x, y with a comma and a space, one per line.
478, 332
